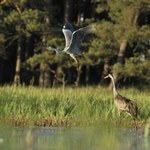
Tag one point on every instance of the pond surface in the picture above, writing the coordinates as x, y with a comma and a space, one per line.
75, 138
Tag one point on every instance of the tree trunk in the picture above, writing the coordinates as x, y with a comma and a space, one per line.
49, 7
120, 57
18, 61
79, 71
68, 10
60, 77
44, 79
18, 66
30, 46
123, 45
87, 74
122, 50
80, 12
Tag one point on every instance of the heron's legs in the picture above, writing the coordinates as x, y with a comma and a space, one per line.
119, 112
78, 67
76, 61
118, 120
134, 124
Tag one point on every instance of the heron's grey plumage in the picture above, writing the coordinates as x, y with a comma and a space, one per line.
73, 40
68, 34
122, 103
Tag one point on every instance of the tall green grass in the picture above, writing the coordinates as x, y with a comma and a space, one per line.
65, 106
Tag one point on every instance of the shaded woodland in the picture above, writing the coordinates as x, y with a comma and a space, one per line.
121, 43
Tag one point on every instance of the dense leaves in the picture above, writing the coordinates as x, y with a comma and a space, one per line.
120, 44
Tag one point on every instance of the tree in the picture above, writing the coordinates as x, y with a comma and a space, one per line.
22, 26
121, 40
124, 35
68, 10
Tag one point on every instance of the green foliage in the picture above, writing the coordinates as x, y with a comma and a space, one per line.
37, 59
26, 22
119, 20
33, 22
123, 23
134, 67
21, 22
104, 45
2, 39
90, 105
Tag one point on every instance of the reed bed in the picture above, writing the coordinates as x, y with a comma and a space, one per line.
23, 106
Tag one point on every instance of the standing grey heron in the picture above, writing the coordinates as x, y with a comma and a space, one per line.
73, 40
123, 104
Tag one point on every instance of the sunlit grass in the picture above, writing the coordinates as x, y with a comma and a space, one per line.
65, 106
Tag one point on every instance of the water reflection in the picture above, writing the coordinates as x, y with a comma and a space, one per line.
77, 138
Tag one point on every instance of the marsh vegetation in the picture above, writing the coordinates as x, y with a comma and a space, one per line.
23, 106
70, 118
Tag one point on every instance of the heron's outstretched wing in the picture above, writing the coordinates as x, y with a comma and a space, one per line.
77, 38
68, 34
67, 31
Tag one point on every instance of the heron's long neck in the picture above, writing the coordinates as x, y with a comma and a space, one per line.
59, 51
56, 50
114, 87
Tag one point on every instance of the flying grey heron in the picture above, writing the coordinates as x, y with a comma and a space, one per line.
123, 104
73, 40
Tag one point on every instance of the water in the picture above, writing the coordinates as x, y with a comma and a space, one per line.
75, 138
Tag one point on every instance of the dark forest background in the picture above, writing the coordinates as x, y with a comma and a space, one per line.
120, 44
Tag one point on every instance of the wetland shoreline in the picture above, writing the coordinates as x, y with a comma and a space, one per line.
25, 106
